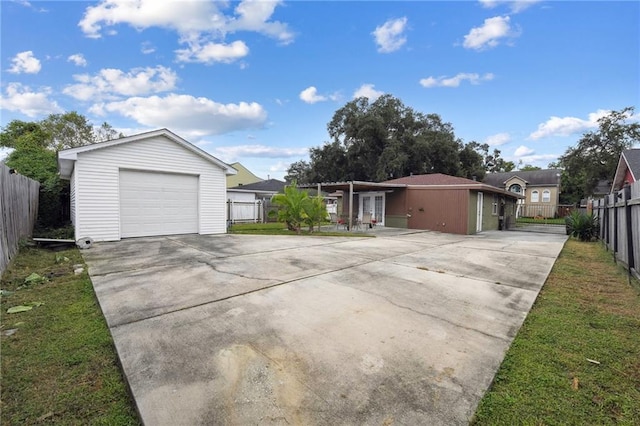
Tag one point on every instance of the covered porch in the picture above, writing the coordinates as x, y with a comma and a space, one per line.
358, 198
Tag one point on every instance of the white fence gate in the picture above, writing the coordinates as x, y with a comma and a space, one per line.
245, 211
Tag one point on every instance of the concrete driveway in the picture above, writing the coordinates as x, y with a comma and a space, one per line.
407, 328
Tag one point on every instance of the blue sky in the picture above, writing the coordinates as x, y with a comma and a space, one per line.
257, 81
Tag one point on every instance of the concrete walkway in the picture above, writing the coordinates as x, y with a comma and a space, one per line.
406, 328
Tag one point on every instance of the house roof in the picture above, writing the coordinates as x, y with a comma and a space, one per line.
269, 185
429, 181
433, 179
67, 157
548, 177
629, 160
603, 187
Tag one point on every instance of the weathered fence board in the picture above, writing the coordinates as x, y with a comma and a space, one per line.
18, 212
245, 211
619, 216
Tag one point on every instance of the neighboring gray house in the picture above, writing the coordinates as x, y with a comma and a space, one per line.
540, 189
153, 183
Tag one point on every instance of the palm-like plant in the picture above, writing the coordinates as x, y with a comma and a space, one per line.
583, 226
315, 211
292, 203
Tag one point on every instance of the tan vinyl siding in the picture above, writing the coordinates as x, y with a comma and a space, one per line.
97, 189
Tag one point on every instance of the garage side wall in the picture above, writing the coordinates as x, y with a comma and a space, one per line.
97, 204
72, 198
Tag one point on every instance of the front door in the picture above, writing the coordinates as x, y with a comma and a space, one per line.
479, 215
372, 202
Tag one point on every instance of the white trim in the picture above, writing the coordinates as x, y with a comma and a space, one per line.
373, 195
67, 157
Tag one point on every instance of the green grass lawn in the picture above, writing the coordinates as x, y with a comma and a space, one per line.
59, 365
586, 311
279, 228
541, 221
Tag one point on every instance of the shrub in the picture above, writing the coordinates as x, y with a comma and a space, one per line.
583, 226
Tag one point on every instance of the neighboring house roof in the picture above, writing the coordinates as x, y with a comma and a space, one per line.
548, 177
629, 161
603, 187
269, 185
67, 157
243, 177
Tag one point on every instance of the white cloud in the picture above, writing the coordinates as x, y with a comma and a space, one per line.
110, 83
28, 4
213, 52
389, 36
498, 139
541, 159
522, 150
281, 166
489, 34
147, 47
515, 6
310, 95
255, 15
4, 152
195, 21
455, 80
78, 59
368, 91
25, 62
565, 126
194, 117
263, 151
32, 104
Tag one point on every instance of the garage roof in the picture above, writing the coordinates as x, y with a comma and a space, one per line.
67, 157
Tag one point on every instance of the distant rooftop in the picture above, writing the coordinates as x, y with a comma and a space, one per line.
269, 185
433, 179
547, 177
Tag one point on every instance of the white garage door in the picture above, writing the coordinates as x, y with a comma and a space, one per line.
157, 204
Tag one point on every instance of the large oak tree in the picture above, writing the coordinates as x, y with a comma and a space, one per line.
385, 139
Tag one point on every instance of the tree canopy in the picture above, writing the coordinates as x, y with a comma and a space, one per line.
34, 154
385, 139
596, 155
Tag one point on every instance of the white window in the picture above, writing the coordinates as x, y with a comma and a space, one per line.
546, 196
494, 206
535, 196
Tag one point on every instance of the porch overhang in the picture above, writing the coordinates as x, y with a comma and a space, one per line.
353, 186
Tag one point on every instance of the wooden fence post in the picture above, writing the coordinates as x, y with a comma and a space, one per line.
627, 208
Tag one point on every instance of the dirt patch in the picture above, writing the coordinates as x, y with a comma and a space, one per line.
268, 381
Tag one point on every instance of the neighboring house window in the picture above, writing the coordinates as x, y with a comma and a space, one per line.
546, 196
535, 196
516, 188
494, 206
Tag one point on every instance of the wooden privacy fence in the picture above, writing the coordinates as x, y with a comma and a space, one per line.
619, 216
18, 212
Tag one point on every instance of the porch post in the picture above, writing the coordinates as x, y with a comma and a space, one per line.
351, 206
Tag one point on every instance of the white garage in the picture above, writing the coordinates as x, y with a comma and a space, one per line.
149, 184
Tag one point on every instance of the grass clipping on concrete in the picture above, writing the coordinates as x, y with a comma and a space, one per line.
59, 364
576, 359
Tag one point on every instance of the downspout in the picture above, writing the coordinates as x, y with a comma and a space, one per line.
351, 206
